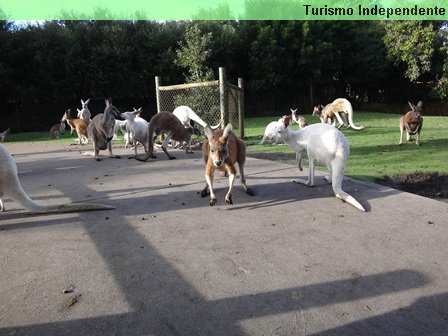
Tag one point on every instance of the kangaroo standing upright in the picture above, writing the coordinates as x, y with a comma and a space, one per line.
220, 152
84, 113
10, 186
78, 125
323, 143
101, 130
412, 123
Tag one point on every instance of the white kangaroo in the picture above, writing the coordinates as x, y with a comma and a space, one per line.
270, 130
10, 186
84, 113
138, 128
324, 143
185, 114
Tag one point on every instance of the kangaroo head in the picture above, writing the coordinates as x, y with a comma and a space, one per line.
127, 115
137, 112
66, 116
84, 103
111, 109
218, 151
416, 109
318, 110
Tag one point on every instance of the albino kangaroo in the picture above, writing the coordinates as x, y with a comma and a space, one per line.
332, 110
166, 122
270, 130
186, 114
138, 128
56, 130
84, 113
323, 143
220, 152
101, 130
79, 125
412, 122
4, 134
10, 186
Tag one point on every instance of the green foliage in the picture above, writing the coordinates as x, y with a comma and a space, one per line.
410, 42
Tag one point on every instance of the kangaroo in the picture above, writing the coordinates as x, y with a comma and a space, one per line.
412, 123
4, 134
138, 128
220, 152
332, 111
10, 186
270, 129
297, 119
186, 115
84, 112
166, 122
56, 130
78, 125
324, 143
101, 130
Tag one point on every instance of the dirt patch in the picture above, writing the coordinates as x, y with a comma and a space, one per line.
432, 185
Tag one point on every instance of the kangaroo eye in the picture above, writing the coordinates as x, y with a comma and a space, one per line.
211, 150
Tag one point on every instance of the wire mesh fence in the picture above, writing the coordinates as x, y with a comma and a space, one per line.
213, 102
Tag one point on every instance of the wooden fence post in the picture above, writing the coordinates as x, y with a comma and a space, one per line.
223, 97
241, 107
158, 93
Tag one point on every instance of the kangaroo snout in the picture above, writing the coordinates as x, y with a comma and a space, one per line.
217, 163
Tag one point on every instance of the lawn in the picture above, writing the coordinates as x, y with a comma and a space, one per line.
374, 150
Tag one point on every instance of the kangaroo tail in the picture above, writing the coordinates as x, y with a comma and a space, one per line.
349, 110
349, 199
70, 207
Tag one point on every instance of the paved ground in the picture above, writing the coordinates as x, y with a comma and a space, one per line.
290, 260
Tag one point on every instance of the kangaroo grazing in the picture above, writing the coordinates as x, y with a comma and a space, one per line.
101, 130
56, 130
331, 112
4, 134
10, 186
138, 129
166, 122
185, 114
323, 143
220, 152
84, 112
412, 123
78, 125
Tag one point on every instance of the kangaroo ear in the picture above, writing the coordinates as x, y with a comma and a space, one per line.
208, 132
412, 106
87, 101
227, 130
420, 103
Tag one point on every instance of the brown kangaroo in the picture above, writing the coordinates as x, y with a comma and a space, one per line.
56, 130
168, 123
220, 152
412, 123
78, 125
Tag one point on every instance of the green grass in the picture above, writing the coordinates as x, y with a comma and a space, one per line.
374, 151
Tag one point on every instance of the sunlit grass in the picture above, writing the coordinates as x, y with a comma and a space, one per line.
374, 150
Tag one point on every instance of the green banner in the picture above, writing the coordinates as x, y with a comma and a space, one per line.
223, 10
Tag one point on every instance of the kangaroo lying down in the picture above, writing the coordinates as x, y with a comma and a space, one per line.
10, 186
324, 143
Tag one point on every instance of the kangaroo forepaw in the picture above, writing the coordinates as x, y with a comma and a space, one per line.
213, 202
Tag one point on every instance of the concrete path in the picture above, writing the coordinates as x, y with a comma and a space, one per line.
290, 260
